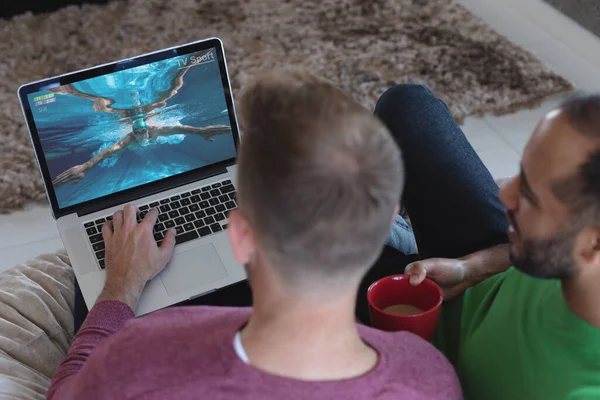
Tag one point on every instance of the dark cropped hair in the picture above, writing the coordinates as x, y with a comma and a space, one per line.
581, 191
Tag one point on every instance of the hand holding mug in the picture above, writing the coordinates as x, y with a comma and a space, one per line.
450, 274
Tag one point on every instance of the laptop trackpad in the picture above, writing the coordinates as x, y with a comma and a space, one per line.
192, 269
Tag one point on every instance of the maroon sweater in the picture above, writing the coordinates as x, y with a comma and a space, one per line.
188, 353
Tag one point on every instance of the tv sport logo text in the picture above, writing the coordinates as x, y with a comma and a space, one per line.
196, 60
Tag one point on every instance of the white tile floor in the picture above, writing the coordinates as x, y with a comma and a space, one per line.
532, 24
558, 41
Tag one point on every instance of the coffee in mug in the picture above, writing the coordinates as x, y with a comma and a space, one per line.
403, 309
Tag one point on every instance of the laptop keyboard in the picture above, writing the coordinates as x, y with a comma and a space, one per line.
194, 214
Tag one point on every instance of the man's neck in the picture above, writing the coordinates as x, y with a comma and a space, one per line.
582, 297
304, 338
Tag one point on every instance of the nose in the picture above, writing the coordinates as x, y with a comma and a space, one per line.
509, 193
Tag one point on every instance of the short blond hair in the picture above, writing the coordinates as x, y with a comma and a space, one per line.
318, 175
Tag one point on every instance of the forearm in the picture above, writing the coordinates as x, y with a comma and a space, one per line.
122, 290
114, 149
207, 132
102, 155
485, 263
95, 160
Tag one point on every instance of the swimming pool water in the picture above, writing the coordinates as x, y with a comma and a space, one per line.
71, 132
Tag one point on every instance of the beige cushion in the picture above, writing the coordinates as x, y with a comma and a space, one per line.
36, 324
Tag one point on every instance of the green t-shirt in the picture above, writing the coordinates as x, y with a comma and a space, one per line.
513, 337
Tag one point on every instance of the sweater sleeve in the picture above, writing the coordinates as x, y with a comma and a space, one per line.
105, 319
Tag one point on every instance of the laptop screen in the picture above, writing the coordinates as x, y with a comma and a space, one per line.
124, 129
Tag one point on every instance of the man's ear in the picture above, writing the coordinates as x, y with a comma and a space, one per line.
241, 237
589, 245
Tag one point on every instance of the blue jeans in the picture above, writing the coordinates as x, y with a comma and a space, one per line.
449, 194
402, 237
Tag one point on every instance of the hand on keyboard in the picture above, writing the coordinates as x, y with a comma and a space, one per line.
132, 255
194, 214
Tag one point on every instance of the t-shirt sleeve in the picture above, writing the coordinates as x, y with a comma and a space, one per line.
105, 319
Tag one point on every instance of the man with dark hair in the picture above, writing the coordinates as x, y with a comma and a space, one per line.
531, 331
319, 179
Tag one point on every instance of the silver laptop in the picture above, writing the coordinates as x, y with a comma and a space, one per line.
158, 130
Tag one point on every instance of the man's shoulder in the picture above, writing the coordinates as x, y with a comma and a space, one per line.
194, 316
410, 359
170, 343
405, 347
509, 290
177, 332
198, 325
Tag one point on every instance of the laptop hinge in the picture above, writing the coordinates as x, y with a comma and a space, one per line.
135, 195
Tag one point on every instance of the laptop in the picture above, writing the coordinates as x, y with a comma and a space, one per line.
158, 130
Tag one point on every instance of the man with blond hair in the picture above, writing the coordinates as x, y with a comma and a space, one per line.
319, 179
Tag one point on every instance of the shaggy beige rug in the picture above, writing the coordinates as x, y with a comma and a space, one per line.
362, 45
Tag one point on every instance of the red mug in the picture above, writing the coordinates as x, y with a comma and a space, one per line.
396, 289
